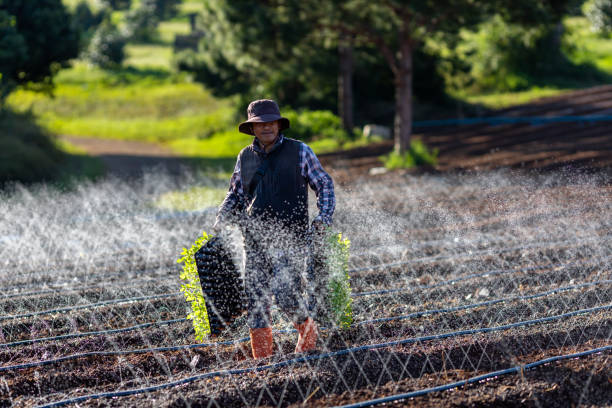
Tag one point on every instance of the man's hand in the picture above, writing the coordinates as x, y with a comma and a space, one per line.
318, 228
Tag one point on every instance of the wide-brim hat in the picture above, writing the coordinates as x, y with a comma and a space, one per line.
263, 110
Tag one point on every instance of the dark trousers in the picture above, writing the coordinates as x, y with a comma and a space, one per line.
275, 273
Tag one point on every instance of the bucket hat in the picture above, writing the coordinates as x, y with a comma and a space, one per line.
263, 110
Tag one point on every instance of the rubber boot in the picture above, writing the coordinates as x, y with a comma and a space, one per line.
308, 334
261, 342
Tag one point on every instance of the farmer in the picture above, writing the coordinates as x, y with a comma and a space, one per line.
268, 199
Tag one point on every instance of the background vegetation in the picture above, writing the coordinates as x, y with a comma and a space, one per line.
119, 75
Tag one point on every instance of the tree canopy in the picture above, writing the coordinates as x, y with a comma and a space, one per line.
291, 47
36, 38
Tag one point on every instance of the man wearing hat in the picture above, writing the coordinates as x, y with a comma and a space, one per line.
268, 198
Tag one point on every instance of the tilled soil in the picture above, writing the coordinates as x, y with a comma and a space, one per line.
467, 281
542, 146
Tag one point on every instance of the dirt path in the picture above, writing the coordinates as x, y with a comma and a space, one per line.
128, 159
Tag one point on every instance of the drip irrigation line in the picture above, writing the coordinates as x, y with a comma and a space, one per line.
98, 275
173, 321
517, 369
89, 306
462, 278
358, 294
60, 290
322, 356
477, 275
245, 339
487, 303
93, 333
443, 257
477, 253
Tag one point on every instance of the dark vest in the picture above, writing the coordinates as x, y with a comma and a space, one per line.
281, 197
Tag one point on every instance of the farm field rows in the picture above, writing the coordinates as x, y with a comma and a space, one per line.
453, 277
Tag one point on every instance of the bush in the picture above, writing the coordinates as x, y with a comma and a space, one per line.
118, 4
315, 125
599, 14
141, 23
106, 49
36, 39
85, 21
417, 155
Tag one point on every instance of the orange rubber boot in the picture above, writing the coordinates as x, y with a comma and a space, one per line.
308, 334
262, 344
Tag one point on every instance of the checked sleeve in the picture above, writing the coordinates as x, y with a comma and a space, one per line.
320, 182
234, 197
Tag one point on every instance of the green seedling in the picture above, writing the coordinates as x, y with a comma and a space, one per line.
339, 296
192, 289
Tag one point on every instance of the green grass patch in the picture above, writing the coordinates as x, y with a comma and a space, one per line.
149, 55
169, 29
220, 145
127, 104
193, 199
499, 100
418, 155
191, 6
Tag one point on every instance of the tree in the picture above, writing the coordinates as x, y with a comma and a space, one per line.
37, 38
599, 13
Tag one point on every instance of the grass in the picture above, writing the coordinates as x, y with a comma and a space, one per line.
144, 106
193, 199
149, 56
499, 100
417, 155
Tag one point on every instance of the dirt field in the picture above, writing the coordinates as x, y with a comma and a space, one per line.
549, 146
454, 274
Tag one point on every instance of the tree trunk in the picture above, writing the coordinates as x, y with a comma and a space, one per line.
345, 84
403, 99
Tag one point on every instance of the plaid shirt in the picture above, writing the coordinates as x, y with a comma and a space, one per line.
311, 170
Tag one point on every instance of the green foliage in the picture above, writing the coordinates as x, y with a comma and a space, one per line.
118, 4
192, 289
339, 298
141, 22
13, 53
309, 125
85, 21
417, 155
106, 49
36, 39
195, 198
502, 56
599, 13
130, 104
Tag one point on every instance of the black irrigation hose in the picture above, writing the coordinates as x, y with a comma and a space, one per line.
476, 253
517, 369
487, 303
173, 321
90, 306
317, 357
438, 257
245, 339
94, 333
64, 290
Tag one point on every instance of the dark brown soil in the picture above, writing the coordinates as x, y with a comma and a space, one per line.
524, 146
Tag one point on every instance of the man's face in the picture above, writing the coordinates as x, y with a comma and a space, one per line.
266, 132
